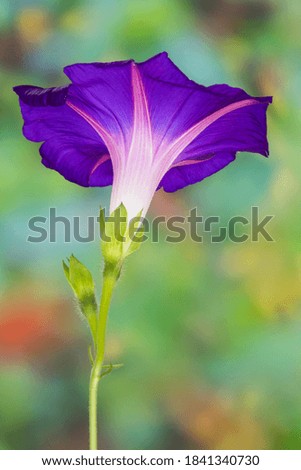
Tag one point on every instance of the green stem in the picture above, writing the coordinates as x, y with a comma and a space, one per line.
93, 389
110, 277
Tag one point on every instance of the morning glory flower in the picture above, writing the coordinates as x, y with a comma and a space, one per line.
140, 127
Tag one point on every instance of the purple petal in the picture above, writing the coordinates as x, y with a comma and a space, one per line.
238, 126
186, 173
36, 96
112, 100
71, 146
103, 93
177, 104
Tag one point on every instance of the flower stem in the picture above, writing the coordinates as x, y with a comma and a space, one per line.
93, 389
110, 277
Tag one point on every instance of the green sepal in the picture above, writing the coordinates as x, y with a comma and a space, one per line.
82, 284
136, 235
90, 355
112, 232
119, 238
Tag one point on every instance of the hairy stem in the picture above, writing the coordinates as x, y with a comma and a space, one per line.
110, 277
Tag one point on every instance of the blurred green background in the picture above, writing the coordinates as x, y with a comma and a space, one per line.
209, 334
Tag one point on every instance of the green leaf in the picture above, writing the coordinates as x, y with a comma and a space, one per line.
107, 369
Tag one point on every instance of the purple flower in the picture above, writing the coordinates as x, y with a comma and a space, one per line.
140, 127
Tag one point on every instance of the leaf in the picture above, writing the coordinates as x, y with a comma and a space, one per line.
109, 368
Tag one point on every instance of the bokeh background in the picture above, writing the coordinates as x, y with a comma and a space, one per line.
209, 334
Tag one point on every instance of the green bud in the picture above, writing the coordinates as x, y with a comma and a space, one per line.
82, 284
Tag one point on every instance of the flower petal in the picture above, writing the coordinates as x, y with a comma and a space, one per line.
71, 146
111, 98
103, 93
238, 126
180, 107
193, 171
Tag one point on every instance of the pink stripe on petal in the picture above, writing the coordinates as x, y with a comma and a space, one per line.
191, 162
102, 160
176, 147
132, 184
141, 150
101, 131
142, 131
